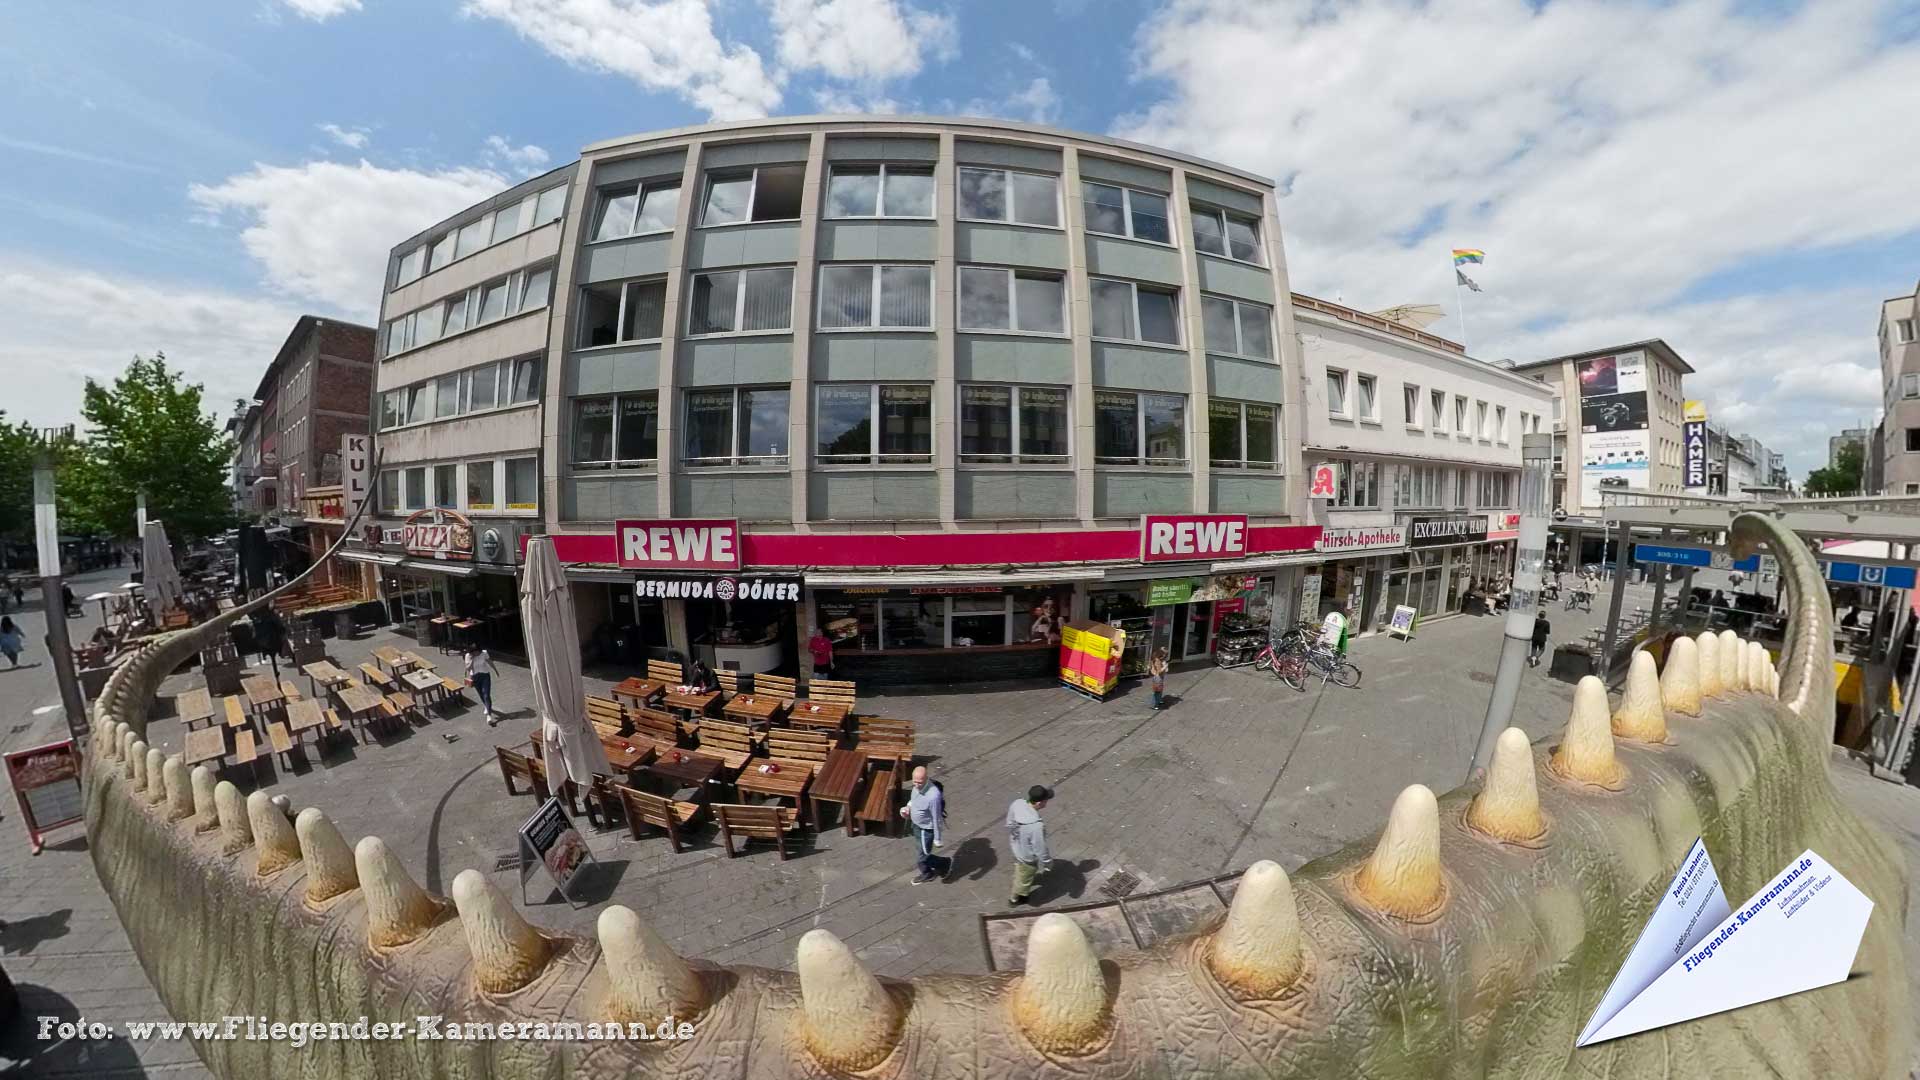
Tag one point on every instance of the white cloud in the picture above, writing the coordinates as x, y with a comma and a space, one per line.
218, 338
354, 138
834, 100
861, 40
1607, 156
525, 160
322, 10
664, 45
1036, 102
322, 230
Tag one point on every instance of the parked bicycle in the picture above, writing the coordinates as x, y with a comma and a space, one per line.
1326, 662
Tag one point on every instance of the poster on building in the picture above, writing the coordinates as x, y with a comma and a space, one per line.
1615, 442
1614, 461
46, 783
1090, 654
1694, 441
1309, 595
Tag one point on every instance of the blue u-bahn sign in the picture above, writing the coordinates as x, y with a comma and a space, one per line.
1852, 573
1685, 555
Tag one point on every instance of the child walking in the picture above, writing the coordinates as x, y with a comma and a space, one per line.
1157, 671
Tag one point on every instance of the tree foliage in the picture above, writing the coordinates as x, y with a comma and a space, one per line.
1843, 477
148, 431
16, 478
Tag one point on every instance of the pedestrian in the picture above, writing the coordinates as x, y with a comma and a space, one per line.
704, 680
1157, 671
1541, 628
926, 811
820, 647
12, 641
19, 598
1027, 836
480, 676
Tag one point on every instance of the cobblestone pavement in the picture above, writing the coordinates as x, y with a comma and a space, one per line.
1238, 768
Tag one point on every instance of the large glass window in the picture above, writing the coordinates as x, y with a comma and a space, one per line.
1221, 232
473, 236
616, 312
1419, 486
480, 482
722, 304
613, 432
446, 492
1235, 326
636, 209
446, 396
861, 296
1243, 434
526, 379
737, 426
993, 298
866, 423
535, 285
523, 484
1356, 484
880, 191
978, 620
416, 488
1002, 195
1013, 424
768, 193
389, 490
1129, 311
1139, 429
410, 264
1129, 212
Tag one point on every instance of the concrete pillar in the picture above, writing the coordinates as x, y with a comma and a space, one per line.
800, 393
1193, 335
1080, 321
946, 308
674, 323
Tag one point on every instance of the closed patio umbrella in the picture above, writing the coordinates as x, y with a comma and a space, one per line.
161, 578
571, 746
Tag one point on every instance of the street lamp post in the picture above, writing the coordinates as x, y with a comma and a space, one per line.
46, 528
1536, 480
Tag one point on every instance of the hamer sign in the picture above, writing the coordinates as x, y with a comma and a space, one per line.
1191, 537
680, 544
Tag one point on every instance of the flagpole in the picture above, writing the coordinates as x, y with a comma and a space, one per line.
1460, 306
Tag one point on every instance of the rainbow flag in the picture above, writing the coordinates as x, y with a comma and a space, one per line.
1468, 255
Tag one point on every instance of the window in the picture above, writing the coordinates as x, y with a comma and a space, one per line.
637, 209
1480, 421
865, 423
426, 324
389, 410
617, 312
1131, 312
416, 488
1500, 422
1439, 410
880, 191
493, 301
1118, 211
1030, 301
611, 432
389, 490
1139, 429
1903, 331
1233, 326
977, 620
1336, 393
473, 236
1460, 417
1410, 403
1363, 390
1420, 485
1910, 386
1461, 487
723, 305
523, 484
1556, 407
1496, 490
1002, 425
446, 396
446, 493
1913, 489
737, 426
456, 317
1913, 440
768, 193
535, 284
1243, 435
409, 267
1002, 195
480, 481
549, 205
526, 379
1218, 232
1356, 484
889, 297
441, 253
417, 404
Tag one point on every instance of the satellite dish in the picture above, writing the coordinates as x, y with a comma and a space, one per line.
1415, 316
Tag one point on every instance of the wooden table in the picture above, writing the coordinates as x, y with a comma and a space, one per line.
206, 744
789, 783
639, 691
695, 704
236, 716
390, 658
323, 673
828, 716
692, 770
425, 683
624, 755
418, 662
836, 783
360, 702
194, 707
753, 709
262, 692
303, 716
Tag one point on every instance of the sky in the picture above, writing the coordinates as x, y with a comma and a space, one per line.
1737, 177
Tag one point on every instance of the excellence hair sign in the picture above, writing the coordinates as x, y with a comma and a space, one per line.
679, 544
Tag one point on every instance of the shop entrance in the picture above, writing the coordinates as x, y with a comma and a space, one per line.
1184, 630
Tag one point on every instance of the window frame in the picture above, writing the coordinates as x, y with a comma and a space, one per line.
1140, 460
740, 300
1126, 202
871, 459
1016, 455
620, 314
1239, 326
641, 189
880, 194
616, 463
1367, 386
875, 277
1013, 300
753, 194
1222, 213
1410, 398
737, 459
1179, 314
1344, 410
1245, 463
1059, 199
1905, 331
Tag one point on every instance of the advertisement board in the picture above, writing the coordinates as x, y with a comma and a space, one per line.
549, 840
1694, 441
438, 534
1616, 461
356, 481
1615, 443
46, 783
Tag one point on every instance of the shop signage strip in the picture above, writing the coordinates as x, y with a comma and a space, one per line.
1364, 538
1684, 555
1434, 530
865, 550
1853, 573
776, 589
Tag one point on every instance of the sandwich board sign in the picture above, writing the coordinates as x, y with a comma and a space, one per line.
1403, 620
46, 783
548, 839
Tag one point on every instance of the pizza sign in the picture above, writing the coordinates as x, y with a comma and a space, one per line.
438, 534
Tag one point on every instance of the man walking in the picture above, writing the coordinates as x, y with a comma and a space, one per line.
1027, 835
1541, 628
926, 811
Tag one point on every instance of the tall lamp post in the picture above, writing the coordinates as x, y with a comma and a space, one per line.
46, 529
1536, 483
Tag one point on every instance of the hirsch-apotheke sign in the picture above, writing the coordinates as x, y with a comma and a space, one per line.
1192, 537
1363, 538
679, 544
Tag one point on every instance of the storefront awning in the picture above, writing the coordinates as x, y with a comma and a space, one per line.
453, 569
833, 579
1271, 562
371, 557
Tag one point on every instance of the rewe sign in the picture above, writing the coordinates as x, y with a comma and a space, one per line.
679, 544
1192, 537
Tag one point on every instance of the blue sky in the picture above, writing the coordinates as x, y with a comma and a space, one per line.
1729, 175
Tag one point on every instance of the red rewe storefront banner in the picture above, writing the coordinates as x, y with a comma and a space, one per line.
880, 550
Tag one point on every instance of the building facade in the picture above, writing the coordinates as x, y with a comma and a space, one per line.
1899, 339
1413, 450
1621, 418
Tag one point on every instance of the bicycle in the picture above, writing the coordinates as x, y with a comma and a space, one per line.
1285, 663
1332, 667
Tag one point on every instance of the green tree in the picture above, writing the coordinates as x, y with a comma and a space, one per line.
148, 431
16, 478
1843, 477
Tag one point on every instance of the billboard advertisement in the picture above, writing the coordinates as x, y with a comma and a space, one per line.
1615, 441
1694, 442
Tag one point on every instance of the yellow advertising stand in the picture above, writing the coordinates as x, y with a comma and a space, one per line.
1090, 657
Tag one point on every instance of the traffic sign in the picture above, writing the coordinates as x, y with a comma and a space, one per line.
1682, 555
1853, 573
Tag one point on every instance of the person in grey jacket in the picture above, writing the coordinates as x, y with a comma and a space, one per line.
926, 811
1027, 835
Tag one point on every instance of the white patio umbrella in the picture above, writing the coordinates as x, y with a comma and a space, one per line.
553, 651
162, 579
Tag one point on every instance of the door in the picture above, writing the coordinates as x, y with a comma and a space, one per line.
1199, 630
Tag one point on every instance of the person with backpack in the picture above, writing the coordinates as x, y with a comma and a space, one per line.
926, 811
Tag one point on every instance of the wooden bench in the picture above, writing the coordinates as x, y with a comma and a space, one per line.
235, 713
881, 804
544, 785
837, 691
665, 671
733, 681
377, 677
756, 823
884, 738
337, 727
668, 815
776, 686
515, 767
662, 727
730, 742
608, 713
452, 690
796, 745
283, 744
245, 754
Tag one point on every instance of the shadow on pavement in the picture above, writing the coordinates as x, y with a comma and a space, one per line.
24, 1053
20, 937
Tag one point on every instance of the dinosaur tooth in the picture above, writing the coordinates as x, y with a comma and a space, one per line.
330, 867
137, 765
1258, 951
236, 831
1061, 1002
206, 817
1680, 680
179, 792
508, 953
156, 788
1508, 805
1586, 750
1402, 877
273, 835
850, 1023
1733, 652
646, 980
1708, 644
1642, 715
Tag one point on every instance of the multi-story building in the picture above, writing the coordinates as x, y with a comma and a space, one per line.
925, 384
1899, 377
1414, 452
1621, 418
1743, 468
1854, 437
